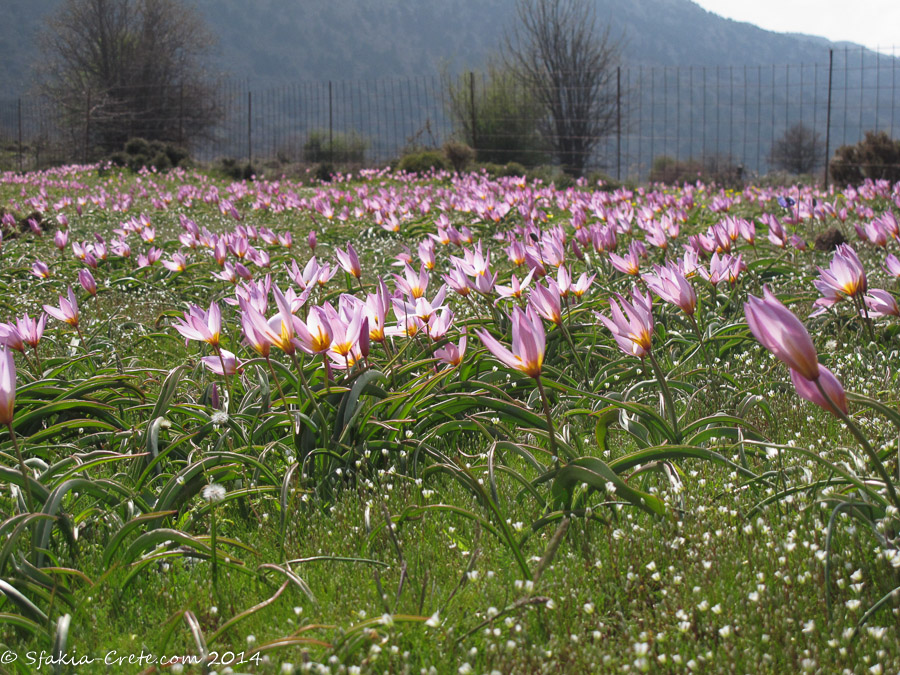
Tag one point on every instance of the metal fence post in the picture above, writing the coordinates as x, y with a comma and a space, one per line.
828, 115
618, 123
250, 127
330, 124
472, 109
87, 127
181, 115
21, 158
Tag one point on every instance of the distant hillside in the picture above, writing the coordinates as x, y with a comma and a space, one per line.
287, 40
694, 85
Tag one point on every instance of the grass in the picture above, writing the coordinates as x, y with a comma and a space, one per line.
412, 518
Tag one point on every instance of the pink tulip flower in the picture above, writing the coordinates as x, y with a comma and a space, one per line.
61, 239
11, 338
40, 269
255, 333
629, 264
580, 287
528, 343
86, 279
314, 336
669, 284
892, 265
845, 278
632, 324
200, 325
881, 303
349, 261
177, 264
808, 390
782, 333
215, 363
452, 354
25, 331
457, 280
67, 310
412, 284
515, 289
546, 301
31, 330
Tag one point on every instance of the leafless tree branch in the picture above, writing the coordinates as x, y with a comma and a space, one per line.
134, 68
558, 51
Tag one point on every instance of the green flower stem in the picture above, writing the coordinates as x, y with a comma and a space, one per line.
667, 395
212, 546
277, 384
700, 338
307, 390
549, 421
22, 468
37, 358
860, 303
224, 373
864, 443
568, 334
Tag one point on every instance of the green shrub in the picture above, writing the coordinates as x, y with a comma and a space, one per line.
491, 169
672, 171
137, 146
547, 174
502, 122
160, 162
118, 158
324, 171
138, 153
720, 169
512, 169
339, 149
876, 157
234, 170
422, 161
459, 155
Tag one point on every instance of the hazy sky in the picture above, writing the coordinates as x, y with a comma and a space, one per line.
873, 23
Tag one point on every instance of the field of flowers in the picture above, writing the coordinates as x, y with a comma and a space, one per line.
446, 424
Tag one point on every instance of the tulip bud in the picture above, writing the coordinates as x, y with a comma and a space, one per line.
7, 386
364, 338
87, 281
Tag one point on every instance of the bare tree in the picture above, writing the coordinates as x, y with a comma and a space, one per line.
800, 150
128, 68
557, 50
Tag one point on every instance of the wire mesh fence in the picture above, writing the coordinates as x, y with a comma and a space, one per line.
709, 115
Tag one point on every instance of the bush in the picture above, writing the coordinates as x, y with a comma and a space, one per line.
236, 171
876, 157
551, 174
459, 155
137, 146
719, 169
799, 151
160, 162
422, 161
513, 170
671, 171
506, 118
324, 171
138, 153
340, 149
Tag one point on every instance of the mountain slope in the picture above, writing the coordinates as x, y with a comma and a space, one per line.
288, 40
